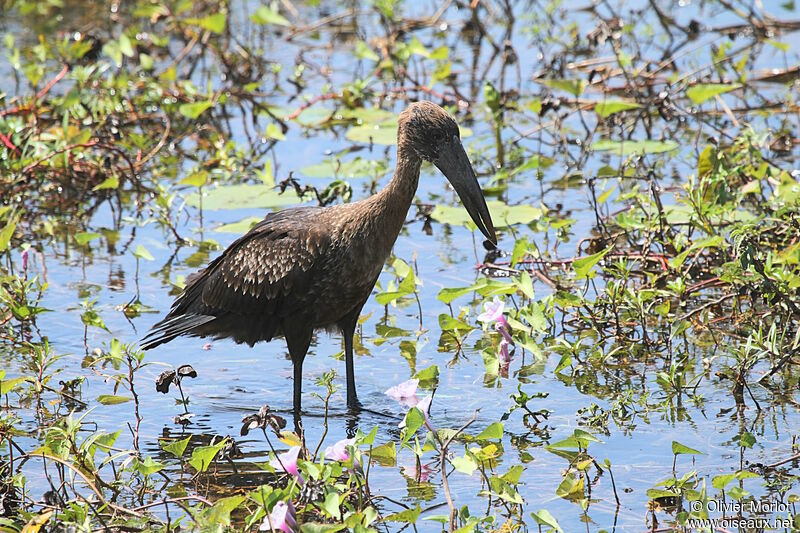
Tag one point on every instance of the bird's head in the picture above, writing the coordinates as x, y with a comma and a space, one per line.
432, 134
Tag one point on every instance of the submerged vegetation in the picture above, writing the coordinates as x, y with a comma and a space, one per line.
626, 359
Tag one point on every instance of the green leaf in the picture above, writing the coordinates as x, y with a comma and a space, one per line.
108, 183
737, 493
544, 518
104, 442
493, 431
660, 493
447, 295
448, 323
525, 285
7, 232
146, 61
242, 196
705, 91
111, 399
147, 467
465, 464
125, 46
721, 481
680, 449
533, 162
624, 148
220, 512
783, 47
385, 454
142, 253
416, 47
584, 265
513, 475
203, 456
111, 49
571, 487
7, 385
712, 242
408, 286
409, 516
267, 15
194, 109
214, 23
274, 132
195, 179
84, 237
363, 51
574, 87
428, 374
747, 440
176, 447
506, 491
414, 420
609, 107
331, 505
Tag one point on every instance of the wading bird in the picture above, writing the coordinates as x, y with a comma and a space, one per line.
310, 268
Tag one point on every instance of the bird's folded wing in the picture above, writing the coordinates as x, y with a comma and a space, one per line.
276, 258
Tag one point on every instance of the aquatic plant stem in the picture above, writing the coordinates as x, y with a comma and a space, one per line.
443, 446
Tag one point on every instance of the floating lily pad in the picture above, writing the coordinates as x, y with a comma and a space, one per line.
243, 226
308, 117
243, 197
502, 215
357, 168
384, 133
367, 115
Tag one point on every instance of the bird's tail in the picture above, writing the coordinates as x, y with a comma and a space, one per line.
169, 328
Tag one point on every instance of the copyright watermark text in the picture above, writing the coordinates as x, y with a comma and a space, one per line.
747, 515
736, 507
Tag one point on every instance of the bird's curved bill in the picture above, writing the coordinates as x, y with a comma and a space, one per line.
455, 165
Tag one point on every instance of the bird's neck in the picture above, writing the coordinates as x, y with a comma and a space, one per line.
403, 186
394, 200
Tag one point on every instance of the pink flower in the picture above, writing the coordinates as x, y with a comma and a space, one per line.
493, 312
282, 518
287, 462
207, 346
405, 393
338, 452
25, 260
420, 476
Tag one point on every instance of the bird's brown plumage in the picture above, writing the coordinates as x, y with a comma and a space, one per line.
303, 269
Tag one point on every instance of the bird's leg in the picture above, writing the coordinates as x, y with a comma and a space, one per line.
348, 326
352, 397
298, 343
298, 387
